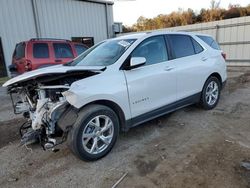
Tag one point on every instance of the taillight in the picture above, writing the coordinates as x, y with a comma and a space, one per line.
27, 65
224, 55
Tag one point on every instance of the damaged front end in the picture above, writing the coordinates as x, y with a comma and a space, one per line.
42, 112
49, 115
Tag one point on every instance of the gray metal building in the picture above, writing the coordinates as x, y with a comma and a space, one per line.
21, 20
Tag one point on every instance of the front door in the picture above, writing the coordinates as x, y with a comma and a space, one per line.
153, 85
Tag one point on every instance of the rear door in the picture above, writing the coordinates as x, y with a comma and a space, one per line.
63, 52
189, 63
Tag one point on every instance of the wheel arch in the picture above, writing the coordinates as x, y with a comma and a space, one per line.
216, 75
115, 107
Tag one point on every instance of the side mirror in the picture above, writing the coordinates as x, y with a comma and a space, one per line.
137, 62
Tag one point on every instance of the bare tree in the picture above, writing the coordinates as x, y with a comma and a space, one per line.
214, 4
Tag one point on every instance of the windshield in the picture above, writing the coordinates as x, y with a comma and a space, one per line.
103, 54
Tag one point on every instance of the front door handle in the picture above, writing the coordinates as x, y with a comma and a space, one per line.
204, 58
168, 68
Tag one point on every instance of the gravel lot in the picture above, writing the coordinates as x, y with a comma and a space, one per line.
188, 148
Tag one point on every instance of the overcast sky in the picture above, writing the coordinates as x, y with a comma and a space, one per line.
128, 11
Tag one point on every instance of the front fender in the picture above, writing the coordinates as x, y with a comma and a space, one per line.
78, 100
110, 85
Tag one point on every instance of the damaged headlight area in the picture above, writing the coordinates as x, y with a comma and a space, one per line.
43, 107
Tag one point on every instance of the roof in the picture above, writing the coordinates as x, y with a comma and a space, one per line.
99, 1
133, 36
48, 39
152, 33
202, 34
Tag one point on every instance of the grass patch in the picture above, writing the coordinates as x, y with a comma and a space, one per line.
3, 79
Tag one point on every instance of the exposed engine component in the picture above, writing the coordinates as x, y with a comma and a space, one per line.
49, 100
42, 109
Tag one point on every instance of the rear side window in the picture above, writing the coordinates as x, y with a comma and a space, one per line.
210, 41
79, 49
153, 49
40, 50
63, 50
19, 51
182, 45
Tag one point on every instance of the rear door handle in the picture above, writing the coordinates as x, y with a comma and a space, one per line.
58, 60
168, 68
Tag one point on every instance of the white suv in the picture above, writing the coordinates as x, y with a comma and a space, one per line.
115, 85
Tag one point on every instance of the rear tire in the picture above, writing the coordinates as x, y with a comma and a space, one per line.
211, 93
94, 133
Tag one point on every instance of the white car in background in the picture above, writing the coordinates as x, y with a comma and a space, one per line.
115, 85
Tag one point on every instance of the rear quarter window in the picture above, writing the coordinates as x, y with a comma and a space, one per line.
40, 50
210, 41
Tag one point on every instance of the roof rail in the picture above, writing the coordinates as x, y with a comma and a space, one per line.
33, 39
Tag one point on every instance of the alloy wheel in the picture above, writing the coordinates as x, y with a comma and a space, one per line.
212, 93
98, 134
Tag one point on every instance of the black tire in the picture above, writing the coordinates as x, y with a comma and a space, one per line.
84, 117
203, 102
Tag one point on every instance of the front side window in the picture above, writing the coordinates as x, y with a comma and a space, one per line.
153, 49
63, 50
103, 54
182, 45
40, 50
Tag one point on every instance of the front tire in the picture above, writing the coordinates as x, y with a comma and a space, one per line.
94, 133
211, 93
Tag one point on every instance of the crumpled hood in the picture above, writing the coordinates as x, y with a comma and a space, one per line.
50, 70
